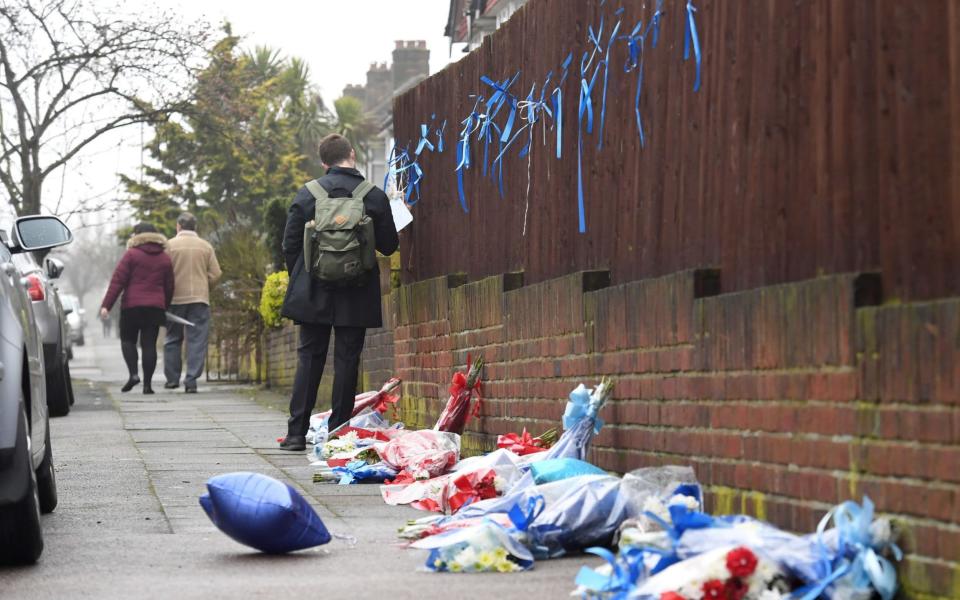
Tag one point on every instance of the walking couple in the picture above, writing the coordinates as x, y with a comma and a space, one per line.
157, 276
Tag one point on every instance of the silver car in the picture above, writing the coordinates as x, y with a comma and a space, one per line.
28, 484
52, 321
76, 321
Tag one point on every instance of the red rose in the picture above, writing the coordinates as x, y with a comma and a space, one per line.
735, 588
741, 562
714, 590
671, 596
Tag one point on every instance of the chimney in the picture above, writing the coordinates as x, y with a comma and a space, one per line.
410, 59
379, 87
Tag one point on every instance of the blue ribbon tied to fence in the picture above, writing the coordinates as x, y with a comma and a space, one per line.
487, 124
690, 38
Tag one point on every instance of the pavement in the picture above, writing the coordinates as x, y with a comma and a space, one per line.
130, 468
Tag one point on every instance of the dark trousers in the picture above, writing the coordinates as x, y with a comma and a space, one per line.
312, 355
143, 323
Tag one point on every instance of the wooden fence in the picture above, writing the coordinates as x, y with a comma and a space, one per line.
825, 138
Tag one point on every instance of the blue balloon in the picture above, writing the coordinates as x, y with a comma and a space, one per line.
555, 469
262, 513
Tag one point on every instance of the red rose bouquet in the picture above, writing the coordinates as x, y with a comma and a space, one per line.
454, 416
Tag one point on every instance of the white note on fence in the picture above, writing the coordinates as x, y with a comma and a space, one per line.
401, 214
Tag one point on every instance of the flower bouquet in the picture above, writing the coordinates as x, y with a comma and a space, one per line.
361, 470
344, 444
722, 574
423, 454
455, 413
375, 401
525, 443
446, 493
435, 525
580, 420
842, 562
484, 547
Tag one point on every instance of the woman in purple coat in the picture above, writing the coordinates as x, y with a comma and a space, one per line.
145, 277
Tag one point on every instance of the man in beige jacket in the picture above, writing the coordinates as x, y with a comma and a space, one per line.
195, 268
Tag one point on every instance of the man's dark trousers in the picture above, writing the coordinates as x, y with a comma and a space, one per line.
312, 354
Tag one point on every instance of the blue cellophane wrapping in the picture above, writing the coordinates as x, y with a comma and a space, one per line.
358, 470
555, 469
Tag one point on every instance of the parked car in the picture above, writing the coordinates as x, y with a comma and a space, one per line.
28, 484
76, 321
52, 321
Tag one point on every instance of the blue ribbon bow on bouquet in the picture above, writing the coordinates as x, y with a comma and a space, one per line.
581, 406
631, 564
857, 553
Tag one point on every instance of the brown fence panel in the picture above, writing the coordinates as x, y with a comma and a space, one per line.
825, 138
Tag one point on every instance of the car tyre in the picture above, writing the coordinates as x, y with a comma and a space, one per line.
47, 479
73, 397
20, 522
58, 391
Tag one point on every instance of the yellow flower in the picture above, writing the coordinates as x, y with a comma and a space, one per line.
500, 553
438, 564
506, 566
455, 567
486, 560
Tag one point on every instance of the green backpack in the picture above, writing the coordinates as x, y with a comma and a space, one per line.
338, 244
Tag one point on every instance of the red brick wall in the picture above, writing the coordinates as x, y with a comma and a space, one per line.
785, 399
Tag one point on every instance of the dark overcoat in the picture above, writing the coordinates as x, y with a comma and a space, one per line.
312, 301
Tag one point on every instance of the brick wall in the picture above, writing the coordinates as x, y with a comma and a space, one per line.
785, 399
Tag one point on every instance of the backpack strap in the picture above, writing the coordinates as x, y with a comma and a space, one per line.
318, 192
362, 189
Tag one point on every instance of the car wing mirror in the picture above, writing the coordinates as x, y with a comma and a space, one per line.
54, 268
40, 232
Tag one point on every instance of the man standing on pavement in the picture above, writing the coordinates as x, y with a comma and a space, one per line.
348, 308
195, 269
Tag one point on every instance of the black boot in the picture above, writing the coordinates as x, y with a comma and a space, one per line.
129, 385
147, 388
294, 443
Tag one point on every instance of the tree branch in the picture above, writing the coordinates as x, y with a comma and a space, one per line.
116, 123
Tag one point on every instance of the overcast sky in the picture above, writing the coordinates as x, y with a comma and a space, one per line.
338, 39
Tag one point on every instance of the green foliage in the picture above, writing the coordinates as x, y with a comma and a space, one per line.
243, 144
271, 298
243, 257
274, 223
243, 140
353, 124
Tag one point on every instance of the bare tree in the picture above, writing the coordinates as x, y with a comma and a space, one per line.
89, 261
70, 74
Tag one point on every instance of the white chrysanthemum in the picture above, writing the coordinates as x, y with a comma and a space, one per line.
683, 500
466, 558
881, 533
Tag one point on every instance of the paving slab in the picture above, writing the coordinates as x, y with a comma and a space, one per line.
130, 468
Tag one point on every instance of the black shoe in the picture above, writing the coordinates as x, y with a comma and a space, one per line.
294, 443
189, 390
170, 386
148, 389
130, 384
